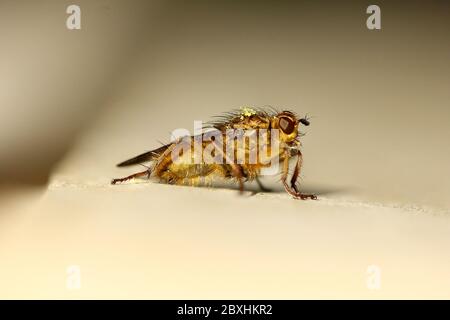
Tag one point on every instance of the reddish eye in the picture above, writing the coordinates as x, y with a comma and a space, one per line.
287, 125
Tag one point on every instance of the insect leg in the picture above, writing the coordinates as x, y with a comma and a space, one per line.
156, 168
136, 175
148, 171
237, 171
296, 172
292, 189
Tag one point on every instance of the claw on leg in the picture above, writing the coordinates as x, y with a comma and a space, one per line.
307, 196
293, 191
303, 196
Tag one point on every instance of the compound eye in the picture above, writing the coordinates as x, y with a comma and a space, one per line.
287, 125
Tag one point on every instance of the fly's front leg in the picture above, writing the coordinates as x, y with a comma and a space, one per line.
292, 188
297, 169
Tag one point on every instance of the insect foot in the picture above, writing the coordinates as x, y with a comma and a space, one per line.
136, 175
306, 196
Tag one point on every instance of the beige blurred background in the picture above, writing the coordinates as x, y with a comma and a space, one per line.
76, 102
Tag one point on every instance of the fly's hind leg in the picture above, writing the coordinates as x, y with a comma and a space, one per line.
135, 175
292, 189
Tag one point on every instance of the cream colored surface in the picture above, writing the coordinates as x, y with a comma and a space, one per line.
376, 154
157, 241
